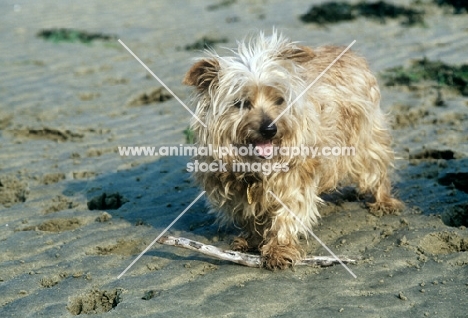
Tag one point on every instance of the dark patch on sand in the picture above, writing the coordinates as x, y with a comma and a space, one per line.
456, 215
95, 302
12, 191
382, 10
433, 154
334, 12
204, 43
157, 95
459, 180
220, 5
49, 133
111, 201
71, 35
331, 12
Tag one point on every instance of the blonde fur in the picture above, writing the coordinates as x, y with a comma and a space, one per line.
237, 96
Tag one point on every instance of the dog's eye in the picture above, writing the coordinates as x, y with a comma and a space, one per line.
279, 101
244, 104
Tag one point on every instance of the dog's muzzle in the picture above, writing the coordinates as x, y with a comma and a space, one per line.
267, 131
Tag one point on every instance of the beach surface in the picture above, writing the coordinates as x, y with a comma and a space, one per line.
74, 213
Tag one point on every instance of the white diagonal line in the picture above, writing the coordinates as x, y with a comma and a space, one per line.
160, 235
312, 233
310, 85
162, 83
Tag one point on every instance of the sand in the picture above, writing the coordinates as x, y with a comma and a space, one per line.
74, 213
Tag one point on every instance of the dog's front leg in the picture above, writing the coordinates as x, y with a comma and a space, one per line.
281, 248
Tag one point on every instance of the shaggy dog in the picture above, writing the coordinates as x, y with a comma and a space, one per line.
257, 100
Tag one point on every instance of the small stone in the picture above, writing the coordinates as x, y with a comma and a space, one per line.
402, 297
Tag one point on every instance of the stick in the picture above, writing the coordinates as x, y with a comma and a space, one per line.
242, 258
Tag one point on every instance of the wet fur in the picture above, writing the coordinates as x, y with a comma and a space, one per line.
236, 94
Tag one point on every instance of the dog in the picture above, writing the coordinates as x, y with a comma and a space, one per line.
258, 98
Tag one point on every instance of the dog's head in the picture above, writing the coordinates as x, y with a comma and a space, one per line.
255, 97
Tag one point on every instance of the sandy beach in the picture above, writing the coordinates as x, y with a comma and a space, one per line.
74, 213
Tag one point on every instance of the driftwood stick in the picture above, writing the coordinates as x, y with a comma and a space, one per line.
243, 258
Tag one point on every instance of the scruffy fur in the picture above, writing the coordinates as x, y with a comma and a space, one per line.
240, 95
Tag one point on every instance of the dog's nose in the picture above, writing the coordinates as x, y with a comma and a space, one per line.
268, 131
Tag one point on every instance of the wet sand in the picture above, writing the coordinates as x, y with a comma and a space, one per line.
74, 213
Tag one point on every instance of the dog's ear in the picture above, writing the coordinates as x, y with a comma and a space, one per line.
202, 74
299, 54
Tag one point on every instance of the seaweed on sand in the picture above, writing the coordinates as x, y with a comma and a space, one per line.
333, 12
443, 74
381, 10
459, 6
71, 35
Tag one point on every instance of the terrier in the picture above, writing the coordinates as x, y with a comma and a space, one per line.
257, 98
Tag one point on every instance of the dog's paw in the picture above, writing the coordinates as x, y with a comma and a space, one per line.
276, 262
279, 257
389, 206
240, 244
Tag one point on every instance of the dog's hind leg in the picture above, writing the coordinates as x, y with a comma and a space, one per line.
373, 163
